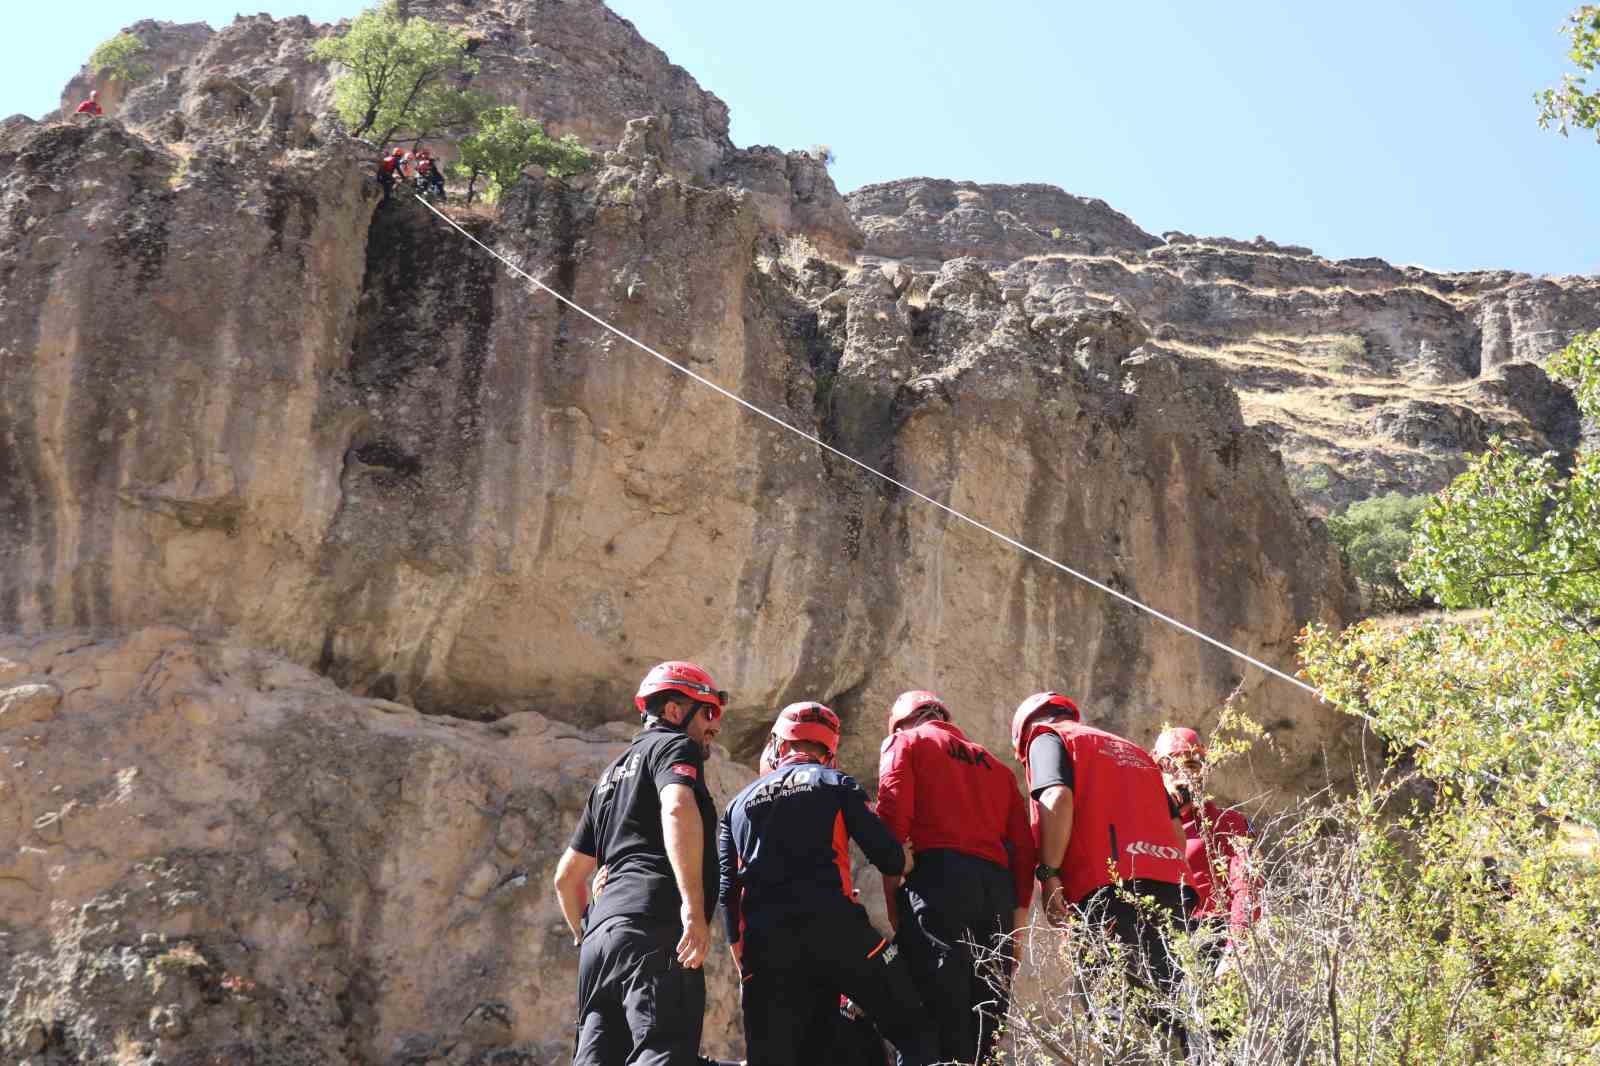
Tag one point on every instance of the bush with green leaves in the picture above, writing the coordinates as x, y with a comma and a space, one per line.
118, 58
505, 143
1574, 104
1374, 537
401, 76
1446, 906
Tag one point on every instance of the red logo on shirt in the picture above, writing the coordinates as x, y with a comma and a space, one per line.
684, 769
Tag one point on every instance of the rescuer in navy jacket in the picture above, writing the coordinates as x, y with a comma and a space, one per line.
792, 922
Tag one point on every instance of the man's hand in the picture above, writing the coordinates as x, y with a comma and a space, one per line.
598, 885
1019, 934
1055, 902
911, 859
695, 943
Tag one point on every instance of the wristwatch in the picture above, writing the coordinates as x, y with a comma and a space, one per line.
1045, 873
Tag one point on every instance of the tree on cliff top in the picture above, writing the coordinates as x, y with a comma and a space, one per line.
116, 58
1571, 105
506, 142
402, 75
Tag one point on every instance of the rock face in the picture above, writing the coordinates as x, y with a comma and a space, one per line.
439, 488
928, 220
238, 397
216, 856
574, 64
1328, 357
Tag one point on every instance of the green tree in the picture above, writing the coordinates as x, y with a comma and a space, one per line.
118, 58
1374, 536
1573, 104
1497, 711
401, 75
505, 143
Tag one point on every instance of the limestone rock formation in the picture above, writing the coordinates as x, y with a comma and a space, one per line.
928, 220
213, 855
345, 447
576, 65
438, 487
1328, 357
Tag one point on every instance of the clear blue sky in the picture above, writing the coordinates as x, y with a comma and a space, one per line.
1362, 128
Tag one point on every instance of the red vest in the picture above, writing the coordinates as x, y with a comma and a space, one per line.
1121, 824
1226, 831
937, 789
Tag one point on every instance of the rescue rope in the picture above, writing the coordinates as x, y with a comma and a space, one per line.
874, 471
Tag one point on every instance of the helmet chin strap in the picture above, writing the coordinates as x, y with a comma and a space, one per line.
656, 719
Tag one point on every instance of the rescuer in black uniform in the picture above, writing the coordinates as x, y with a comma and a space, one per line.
648, 820
792, 922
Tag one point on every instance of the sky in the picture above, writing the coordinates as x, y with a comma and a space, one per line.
1365, 128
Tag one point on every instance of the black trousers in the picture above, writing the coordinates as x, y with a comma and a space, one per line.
1144, 931
951, 902
791, 969
636, 1005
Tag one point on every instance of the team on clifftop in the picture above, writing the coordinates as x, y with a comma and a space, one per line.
1113, 833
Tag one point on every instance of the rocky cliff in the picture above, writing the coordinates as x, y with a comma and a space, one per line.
216, 856
1369, 378
342, 447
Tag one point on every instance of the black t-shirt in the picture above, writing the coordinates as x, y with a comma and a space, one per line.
621, 828
1050, 764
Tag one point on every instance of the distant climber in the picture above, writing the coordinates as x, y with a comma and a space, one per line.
91, 106
391, 168
429, 173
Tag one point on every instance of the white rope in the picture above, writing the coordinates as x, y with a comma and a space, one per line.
874, 471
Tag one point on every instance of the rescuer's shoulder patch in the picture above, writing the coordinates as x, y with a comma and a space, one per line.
684, 769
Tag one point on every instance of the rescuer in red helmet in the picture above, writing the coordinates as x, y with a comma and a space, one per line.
960, 808
793, 924
648, 820
1216, 841
1106, 829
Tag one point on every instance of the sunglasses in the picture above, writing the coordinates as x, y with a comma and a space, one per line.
713, 706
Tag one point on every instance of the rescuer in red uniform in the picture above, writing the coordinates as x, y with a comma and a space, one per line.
1104, 822
1216, 841
91, 106
960, 808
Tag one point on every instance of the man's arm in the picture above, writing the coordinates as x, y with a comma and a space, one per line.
572, 888
1055, 833
730, 888
683, 832
896, 804
1021, 849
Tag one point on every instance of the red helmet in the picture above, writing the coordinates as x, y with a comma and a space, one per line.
910, 704
684, 677
1178, 740
809, 721
94, 94
1030, 710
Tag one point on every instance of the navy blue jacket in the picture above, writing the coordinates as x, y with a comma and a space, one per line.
783, 846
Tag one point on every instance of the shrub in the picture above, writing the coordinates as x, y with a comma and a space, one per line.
505, 143
117, 58
1305, 480
1348, 352
1374, 537
401, 75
